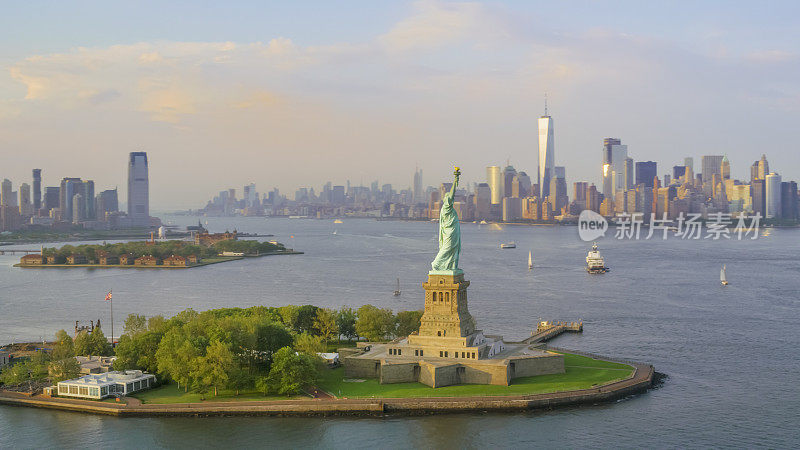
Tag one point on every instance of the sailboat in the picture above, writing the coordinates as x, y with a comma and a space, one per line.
335, 232
723, 278
397, 290
530, 259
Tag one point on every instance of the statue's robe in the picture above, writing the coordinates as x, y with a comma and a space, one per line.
449, 236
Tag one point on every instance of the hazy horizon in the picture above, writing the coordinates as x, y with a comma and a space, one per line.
289, 95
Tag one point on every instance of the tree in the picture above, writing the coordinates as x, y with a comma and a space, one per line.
290, 372
309, 344
64, 369
375, 324
156, 323
305, 319
346, 322
175, 356
82, 344
408, 322
135, 324
213, 369
64, 347
325, 324
100, 344
270, 337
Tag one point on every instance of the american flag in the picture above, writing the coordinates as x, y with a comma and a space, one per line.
108, 296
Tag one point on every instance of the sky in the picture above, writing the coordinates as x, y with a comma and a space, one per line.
289, 94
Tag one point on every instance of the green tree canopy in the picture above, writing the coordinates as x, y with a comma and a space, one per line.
346, 322
375, 324
408, 322
325, 324
290, 372
309, 344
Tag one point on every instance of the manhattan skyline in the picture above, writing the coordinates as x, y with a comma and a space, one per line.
284, 102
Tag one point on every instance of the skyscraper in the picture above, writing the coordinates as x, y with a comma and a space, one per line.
725, 169
37, 191
138, 190
106, 202
773, 201
758, 193
711, 164
789, 200
689, 162
508, 177
494, 178
614, 162
6, 194
629, 181
546, 153
419, 194
763, 167
645, 172
51, 198
25, 205
69, 187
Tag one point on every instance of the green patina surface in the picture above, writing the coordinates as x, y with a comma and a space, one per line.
581, 373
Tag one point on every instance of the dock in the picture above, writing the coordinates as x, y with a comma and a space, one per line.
546, 330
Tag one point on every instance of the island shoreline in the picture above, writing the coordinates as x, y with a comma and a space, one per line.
641, 381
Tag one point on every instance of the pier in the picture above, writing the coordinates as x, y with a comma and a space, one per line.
546, 330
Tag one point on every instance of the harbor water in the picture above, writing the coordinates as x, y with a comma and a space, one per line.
729, 353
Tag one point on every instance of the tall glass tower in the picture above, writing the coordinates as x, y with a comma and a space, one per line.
138, 190
546, 153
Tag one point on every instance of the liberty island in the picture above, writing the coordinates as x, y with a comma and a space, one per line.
448, 357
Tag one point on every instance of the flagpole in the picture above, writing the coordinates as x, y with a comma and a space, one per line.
112, 320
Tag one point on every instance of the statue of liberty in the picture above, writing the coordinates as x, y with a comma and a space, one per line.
449, 232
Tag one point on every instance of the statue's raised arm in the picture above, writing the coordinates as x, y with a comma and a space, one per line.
449, 232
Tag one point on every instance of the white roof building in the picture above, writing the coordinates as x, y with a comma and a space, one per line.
97, 386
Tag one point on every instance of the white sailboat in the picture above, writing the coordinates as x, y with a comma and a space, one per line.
530, 259
723, 278
397, 290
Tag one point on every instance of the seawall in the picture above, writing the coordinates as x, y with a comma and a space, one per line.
640, 381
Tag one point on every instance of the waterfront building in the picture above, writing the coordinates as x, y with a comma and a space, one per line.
51, 199
99, 386
494, 178
789, 205
37, 190
512, 209
546, 153
759, 196
107, 202
483, 200
615, 155
138, 189
580, 194
739, 198
645, 172
773, 196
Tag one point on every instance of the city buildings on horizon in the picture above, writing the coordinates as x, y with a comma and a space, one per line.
73, 203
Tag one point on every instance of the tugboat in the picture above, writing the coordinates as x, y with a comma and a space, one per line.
723, 278
508, 245
595, 262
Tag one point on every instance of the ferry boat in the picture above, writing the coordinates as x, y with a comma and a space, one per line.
508, 245
338, 221
723, 278
595, 262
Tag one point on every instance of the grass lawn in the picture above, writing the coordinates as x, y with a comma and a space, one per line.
170, 393
581, 373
